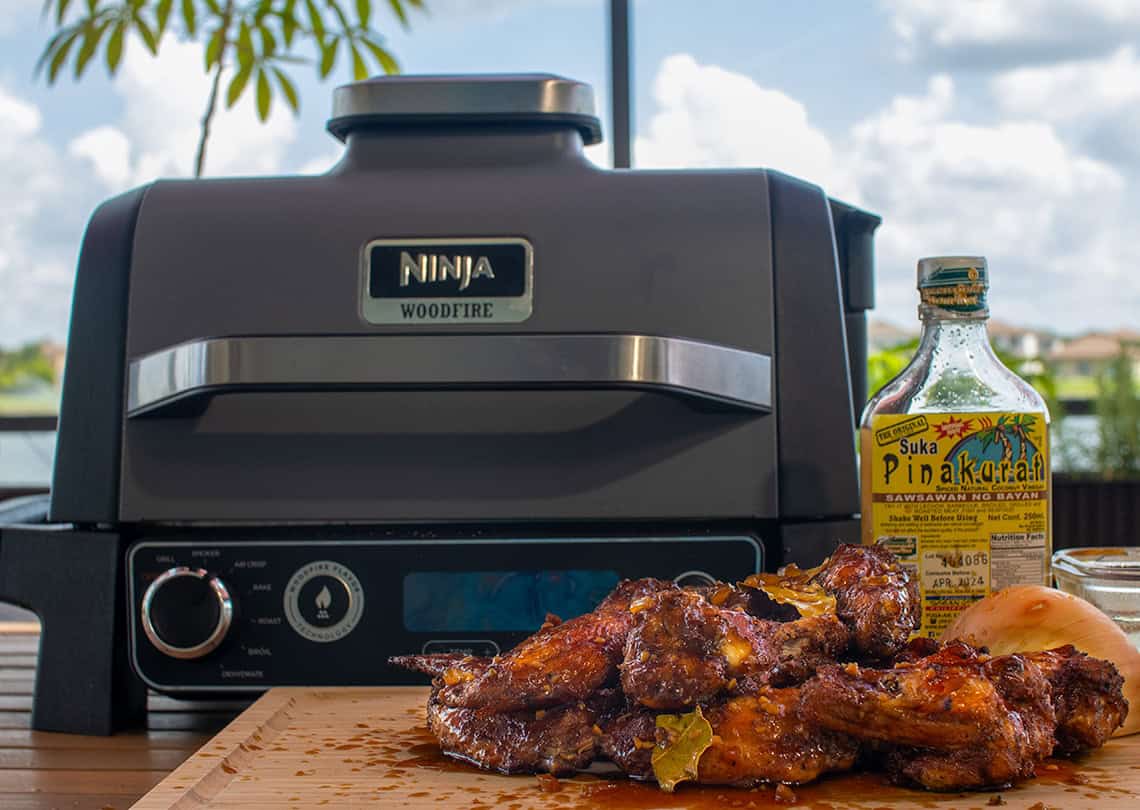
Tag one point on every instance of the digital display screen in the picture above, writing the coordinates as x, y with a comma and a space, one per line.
467, 601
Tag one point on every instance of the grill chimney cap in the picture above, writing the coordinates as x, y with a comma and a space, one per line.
465, 100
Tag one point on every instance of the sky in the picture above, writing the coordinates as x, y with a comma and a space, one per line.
1006, 128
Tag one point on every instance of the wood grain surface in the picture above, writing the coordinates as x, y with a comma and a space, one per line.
305, 748
43, 771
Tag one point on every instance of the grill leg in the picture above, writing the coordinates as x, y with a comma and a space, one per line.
74, 582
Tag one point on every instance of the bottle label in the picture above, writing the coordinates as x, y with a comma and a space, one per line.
963, 500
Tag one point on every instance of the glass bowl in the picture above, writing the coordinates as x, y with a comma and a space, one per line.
1108, 578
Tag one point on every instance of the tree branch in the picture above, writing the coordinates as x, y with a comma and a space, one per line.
212, 102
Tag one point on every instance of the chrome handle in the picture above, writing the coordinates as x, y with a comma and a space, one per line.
586, 361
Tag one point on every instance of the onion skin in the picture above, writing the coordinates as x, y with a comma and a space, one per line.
1029, 618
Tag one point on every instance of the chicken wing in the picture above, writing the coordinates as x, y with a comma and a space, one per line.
756, 738
956, 719
685, 650
560, 741
561, 663
1086, 693
875, 597
1087, 697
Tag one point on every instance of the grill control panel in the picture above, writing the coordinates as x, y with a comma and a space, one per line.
248, 615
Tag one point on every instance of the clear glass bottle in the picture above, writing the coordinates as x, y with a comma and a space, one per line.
954, 455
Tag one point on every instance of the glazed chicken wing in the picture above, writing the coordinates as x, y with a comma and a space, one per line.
560, 740
756, 738
875, 598
1086, 693
561, 663
956, 719
685, 650
1087, 697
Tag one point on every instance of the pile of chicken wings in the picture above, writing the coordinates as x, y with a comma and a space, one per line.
789, 693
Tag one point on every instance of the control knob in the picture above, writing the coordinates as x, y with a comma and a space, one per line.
186, 612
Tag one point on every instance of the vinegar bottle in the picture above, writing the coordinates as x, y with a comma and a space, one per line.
955, 455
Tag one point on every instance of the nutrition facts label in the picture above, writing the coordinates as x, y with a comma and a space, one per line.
1016, 557
963, 501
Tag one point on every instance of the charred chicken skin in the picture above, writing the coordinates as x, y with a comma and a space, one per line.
765, 738
1086, 695
684, 650
559, 741
875, 598
564, 662
757, 738
775, 666
955, 719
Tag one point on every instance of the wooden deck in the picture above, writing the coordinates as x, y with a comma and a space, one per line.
39, 770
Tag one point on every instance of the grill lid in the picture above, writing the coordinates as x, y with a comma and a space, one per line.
526, 98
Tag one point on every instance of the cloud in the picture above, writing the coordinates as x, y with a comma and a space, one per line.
1096, 100
988, 34
707, 116
44, 199
164, 98
109, 151
48, 193
1045, 212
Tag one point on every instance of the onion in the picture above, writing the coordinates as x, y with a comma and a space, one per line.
1028, 618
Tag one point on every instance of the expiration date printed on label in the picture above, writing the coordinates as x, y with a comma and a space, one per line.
955, 571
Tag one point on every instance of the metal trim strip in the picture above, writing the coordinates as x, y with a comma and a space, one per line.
690, 368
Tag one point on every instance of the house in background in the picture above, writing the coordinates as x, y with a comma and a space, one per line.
1089, 354
1021, 342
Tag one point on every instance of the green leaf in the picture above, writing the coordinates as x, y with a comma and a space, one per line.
49, 49
162, 14
328, 57
317, 22
263, 9
61, 55
91, 36
383, 57
61, 10
364, 12
214, 47
398, 10
268, 42
190, 17
287, 88
288, 29
339, 12
263, 96
215, 7
359, 69
147, 36
676, 759
115, 46
245, 45
289, 23
237, 85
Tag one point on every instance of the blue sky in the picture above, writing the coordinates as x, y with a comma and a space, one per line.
1002, 127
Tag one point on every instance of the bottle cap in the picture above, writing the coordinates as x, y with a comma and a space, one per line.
954, 283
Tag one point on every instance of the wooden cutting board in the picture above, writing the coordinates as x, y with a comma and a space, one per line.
307, 748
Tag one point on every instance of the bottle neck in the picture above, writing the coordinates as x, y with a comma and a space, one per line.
954, 339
